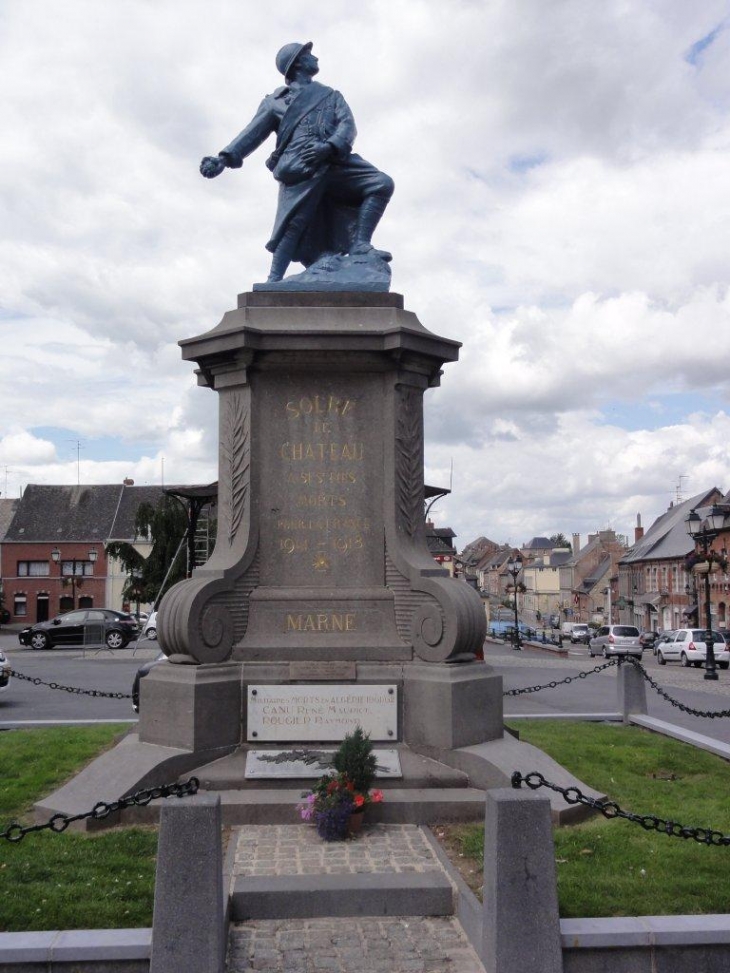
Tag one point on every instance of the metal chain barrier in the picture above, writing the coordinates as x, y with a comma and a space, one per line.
561, 682
609, 809
707, 714
59, 822
619, 660
70, 689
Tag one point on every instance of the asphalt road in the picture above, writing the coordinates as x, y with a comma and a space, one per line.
113, 671
597, 693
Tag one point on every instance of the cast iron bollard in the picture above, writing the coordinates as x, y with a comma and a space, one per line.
188, 928
631, 690
521, 930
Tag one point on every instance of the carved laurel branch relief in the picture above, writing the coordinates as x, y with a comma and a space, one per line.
409, 460
236, 455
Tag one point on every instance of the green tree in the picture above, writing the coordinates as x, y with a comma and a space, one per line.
166, 525
559, 540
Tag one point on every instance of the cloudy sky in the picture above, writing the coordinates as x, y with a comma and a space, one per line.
562, 208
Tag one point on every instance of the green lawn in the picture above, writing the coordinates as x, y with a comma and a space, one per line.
616, 868
70, 880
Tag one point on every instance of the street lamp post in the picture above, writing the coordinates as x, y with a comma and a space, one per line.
704, 532
514, 566
137, 581
92, 555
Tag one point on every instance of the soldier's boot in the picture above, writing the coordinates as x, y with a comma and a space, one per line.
371, 210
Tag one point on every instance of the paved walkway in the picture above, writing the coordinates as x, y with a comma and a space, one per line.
398, 945
411, 944
298, 850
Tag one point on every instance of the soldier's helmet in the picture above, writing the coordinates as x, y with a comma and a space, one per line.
288, 54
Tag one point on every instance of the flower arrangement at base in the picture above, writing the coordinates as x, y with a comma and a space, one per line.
336, 797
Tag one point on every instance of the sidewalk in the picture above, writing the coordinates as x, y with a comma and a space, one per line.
384, 886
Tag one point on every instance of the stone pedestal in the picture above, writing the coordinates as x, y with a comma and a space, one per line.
321, 551
447, 706
321, 555
191, 707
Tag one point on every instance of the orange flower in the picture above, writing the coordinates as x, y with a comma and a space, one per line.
376, 797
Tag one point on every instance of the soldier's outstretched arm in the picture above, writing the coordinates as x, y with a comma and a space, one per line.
257, 131
264, 122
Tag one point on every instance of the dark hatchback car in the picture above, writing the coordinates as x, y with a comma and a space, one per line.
83, 626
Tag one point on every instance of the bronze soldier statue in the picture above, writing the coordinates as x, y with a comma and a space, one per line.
330, 199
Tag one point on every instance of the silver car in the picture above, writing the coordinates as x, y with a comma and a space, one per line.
616, 640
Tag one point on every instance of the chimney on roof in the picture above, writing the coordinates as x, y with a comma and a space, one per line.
576, 543
638, 530
127, 481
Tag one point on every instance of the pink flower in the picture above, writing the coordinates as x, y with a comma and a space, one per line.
376, 796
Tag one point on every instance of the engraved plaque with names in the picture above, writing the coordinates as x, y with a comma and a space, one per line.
321, 712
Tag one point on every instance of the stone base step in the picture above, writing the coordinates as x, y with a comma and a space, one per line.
352, 945
318, 896
430, 805
228, 773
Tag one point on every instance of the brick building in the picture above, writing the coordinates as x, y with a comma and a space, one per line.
655, 589
77, 522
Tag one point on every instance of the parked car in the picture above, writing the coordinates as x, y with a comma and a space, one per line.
150, 628
662, 637
4, 673
143, 671
616, 640
688, 646
580, 632
117, 629
647, 639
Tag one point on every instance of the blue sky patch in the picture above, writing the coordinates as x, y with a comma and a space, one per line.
657, 411
694, 54
99, 449
523, 163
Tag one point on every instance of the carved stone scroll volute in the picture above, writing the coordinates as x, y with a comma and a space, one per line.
447, 622
196, 623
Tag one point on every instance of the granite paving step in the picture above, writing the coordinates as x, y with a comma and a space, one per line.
287, 871
415, 944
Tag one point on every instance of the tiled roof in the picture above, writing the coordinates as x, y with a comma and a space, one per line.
7, 512
99, 512
667, 537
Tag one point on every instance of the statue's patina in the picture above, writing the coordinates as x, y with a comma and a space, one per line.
330, 199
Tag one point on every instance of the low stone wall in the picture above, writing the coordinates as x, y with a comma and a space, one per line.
638, 944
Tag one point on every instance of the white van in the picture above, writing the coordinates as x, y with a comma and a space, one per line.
576, 632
